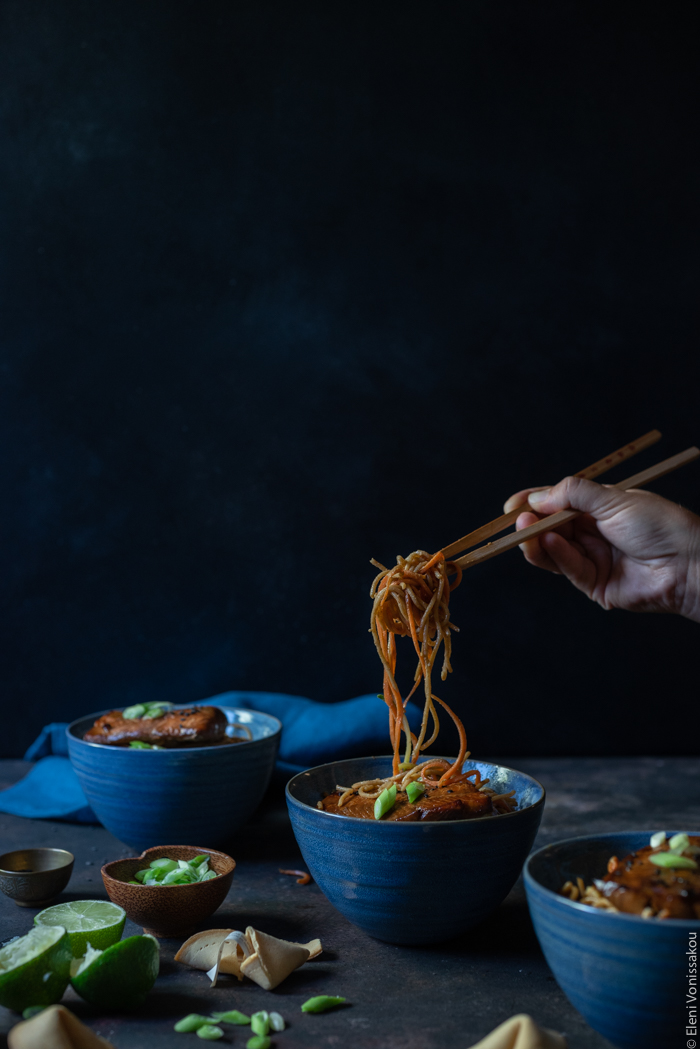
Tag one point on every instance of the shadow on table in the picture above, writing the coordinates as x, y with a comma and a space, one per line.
509, 929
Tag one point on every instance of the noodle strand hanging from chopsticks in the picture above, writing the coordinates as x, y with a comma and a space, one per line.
412, 600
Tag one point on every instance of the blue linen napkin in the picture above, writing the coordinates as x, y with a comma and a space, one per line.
313, 733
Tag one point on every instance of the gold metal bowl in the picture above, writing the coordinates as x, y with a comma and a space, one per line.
34, 877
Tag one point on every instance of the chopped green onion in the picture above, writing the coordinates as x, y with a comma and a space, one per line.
155, 710
260, 1022
131, 713
414, 791
164, 864
276, 1022
137, 744
672, 861
385, 802
179, 877
321, 1003
192, 1022
657, 839
210, 1033
679, 843
233, 1016
165, 871
258, 1041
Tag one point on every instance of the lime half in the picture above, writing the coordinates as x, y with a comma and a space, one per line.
34, 969
120, 977
96, 923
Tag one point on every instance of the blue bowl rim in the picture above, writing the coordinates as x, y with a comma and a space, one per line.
418, 823
166, 750
532, 883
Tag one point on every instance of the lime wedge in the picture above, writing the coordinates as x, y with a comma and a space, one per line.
120, 977
94, 922
34, 969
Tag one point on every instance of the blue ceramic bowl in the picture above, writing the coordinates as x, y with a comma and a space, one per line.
204, 794
412, 883
626, 975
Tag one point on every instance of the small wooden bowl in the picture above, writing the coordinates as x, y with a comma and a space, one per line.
34, 877
168, 910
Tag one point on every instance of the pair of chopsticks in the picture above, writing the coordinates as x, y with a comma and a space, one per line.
489, 550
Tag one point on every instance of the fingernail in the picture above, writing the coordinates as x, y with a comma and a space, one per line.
536, 499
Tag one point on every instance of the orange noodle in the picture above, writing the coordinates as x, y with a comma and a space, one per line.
412, 599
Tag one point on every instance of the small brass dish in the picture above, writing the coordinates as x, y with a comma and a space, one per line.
34, 877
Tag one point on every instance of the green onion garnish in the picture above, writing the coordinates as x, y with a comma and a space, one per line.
209, 1032
385, 802
260, 1022
321, 1003
165, 871
258, 1041
679, 843
276, 1022
233, 1016
414, 791
137, 711
672, 861
192, 1022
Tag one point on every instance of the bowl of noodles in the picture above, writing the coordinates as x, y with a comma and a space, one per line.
415, 849
414, 881
201, 787
608, 924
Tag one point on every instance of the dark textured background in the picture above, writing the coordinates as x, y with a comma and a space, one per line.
286, 286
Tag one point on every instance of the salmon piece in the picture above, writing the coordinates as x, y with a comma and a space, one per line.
195, 726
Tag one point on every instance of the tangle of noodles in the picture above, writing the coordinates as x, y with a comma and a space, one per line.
412, 599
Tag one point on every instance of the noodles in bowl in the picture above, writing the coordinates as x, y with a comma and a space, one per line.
424, 859
412, 600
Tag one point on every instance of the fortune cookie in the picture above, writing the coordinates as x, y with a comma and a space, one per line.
205, 949
265, 959
54, 1028
521, 1032
272, 960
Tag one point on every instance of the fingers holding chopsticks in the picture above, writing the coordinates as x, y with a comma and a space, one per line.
625, 548
538, 551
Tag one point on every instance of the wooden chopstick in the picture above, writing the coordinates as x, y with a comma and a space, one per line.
589, 472
484, 553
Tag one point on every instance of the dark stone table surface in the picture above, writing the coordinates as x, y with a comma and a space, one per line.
447, 996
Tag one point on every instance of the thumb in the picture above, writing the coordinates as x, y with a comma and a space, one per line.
576, 493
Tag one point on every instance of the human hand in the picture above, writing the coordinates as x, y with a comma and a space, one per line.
632, 550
